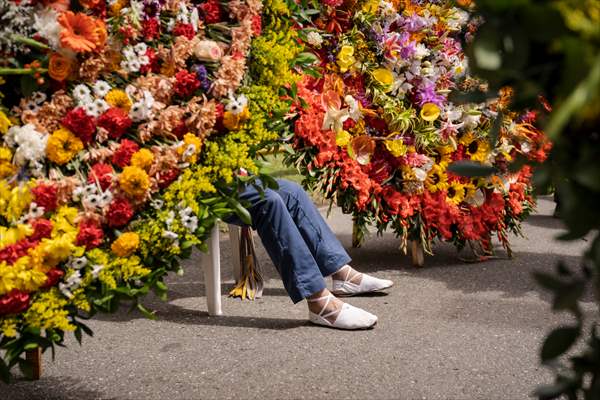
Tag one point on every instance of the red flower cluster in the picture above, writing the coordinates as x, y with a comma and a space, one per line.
400, 204
152, 65
14, 302
212, 11
186, 30
115, 121
438, 213
186, 83
256, 25
101, 173
90, 234
165, 178
81, 124
119, 213
151, 29
53, 276
122, 156
45, 195
42, 228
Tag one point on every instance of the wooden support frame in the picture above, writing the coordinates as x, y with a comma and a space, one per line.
35, 358
417, 254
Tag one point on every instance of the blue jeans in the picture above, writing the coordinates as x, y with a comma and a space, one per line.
297, 238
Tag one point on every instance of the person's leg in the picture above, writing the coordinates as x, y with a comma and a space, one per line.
326, 249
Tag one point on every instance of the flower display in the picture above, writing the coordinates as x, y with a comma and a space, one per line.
377, 131
122, 135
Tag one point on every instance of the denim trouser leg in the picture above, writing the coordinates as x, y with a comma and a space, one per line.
298, 240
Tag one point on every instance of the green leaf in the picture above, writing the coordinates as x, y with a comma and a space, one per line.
471, 169
559, 341
26, 368
240, 211
4, 371
147, 313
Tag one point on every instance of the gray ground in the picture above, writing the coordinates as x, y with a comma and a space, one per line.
452, 330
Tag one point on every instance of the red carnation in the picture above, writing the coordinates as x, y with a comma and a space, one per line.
180, 130
186, 30
186, 83
101, 173
42, 228
90, 234
150, 29
53, 276
14, 302
152, 65
165, 178
115, 121
45, 195
119, 213
122, 157
256, 25
212, 11
81, 124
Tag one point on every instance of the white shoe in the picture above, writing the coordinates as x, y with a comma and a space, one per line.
349, 317
368, 284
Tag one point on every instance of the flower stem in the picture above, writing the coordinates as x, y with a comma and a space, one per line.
21, 71
30, 42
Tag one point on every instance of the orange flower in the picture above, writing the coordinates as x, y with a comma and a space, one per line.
57, 5
79, 33
89, 3
59, 67
102, 33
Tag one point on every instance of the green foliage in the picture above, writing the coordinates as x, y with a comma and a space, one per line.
552, 49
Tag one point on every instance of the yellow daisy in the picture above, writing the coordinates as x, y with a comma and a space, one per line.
455, 193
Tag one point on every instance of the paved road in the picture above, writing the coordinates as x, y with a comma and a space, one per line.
451, 330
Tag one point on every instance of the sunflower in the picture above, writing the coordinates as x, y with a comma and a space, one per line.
436, 179
477, 149
79, 32
455, 193
443, 155
118, 98
134, 181
470, 190
62, 146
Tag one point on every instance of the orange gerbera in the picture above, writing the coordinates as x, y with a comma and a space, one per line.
79, 33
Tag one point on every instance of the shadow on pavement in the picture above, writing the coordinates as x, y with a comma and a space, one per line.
50, 388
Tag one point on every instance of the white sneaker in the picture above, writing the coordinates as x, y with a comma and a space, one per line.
368, 284
349, 317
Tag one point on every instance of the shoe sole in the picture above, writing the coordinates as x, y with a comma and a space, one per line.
337, 294
343, 329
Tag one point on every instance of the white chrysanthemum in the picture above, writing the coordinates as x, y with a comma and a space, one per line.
101, 106
101, 88
30, 144
314, 39
140, 48
170, 235
82, 93
91, 108
47, 26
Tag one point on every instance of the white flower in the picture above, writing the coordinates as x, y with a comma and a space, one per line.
30, 144
38, 97
82, 93
96, 270
64, 289
74, 280
35, 211
157, 204
189, 151
194, 19
148, 99
457, 19
105, 198
31, 106
421, 51
314, 39
236, 105
47, 26
92, 202
170, 235
170, 218
334, 119
190, 222
353, 107
134, 65
471, 119
182, 16
91, 108
101, 106
138, 111
140, 48
477, 199
143, 59
78, 263
101, 88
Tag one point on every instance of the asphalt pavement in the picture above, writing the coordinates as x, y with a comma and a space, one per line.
450, 330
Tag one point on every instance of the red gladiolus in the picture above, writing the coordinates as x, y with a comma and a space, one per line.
115, 121
90, 234
53, 276
45, 195
122, 157
186, 83
81, 124
14, 302
13, 252
101, 173
119, 213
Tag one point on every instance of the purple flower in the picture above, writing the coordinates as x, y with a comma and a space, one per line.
427, 94
203, 77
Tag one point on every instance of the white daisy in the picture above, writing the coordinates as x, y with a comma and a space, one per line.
101, 88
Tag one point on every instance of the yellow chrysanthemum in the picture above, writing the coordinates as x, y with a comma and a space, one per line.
436, 179
455, 193
4, 123
343, 138
396, 147
384, 77
62, 146
143, 158
191, 148
134, 181
126, 244
118, 98
477, 149
430, 112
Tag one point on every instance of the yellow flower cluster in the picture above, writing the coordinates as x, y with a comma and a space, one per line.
134, 181
62, 146
126, 244
47, 311
143, 158
4, 123
7, 169
14, 200
20, 275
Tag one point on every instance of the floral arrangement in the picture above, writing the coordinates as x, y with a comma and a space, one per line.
379, 129
123, 128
